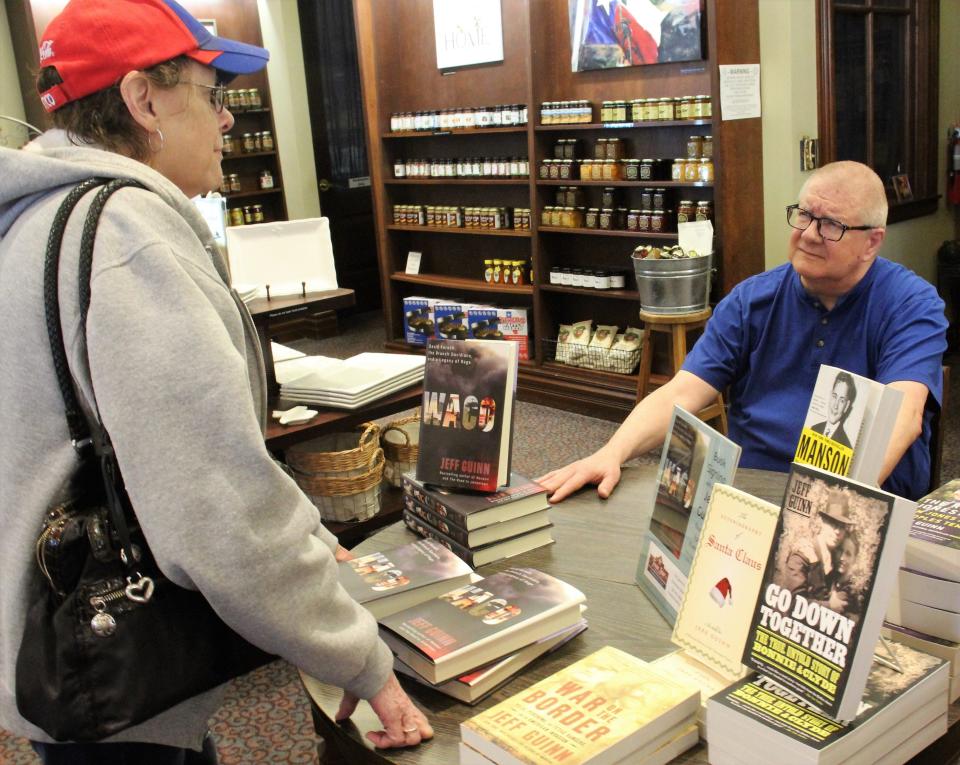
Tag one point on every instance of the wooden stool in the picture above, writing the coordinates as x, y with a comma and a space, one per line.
675, 327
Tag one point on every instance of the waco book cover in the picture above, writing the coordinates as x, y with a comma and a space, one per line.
888, 698
694, 458
602, 708
466, 420
827, 583
725, 578
397, 573
848, 425
934, 544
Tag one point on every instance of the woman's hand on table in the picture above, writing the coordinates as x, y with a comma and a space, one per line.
403, 723
602, 468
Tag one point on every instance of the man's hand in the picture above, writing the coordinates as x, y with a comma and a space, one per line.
403, 723
342, 554
602, 468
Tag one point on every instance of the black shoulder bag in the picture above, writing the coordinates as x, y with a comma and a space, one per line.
109, 641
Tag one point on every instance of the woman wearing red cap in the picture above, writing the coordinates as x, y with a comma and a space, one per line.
135, 89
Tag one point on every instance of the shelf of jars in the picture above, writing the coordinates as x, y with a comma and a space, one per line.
456, 182
248, 155
619, 125
453, 230
453, 131
252, 193
457, 282
628, 184
607, 232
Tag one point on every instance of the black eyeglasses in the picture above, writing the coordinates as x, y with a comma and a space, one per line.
217, 93
828, 228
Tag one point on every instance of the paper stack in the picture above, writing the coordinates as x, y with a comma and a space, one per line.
347, 383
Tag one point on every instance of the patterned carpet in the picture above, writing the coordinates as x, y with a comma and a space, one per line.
265, 717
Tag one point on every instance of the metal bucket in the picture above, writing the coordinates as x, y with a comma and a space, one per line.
673, 286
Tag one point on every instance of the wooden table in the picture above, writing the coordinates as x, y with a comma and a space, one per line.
597, 548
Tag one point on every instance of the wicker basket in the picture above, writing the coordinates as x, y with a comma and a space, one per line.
400, 441
341, 473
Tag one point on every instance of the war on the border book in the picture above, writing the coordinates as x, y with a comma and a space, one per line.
933, 547
609, 707
694, 458
475, 624
392, 580
848, 425
827, 583
895, 708
466, 421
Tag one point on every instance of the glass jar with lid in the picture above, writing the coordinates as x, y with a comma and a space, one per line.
658, 221
705, 171
258, 216
606, 219
248, 144
554, 169
229, 145
691, 171
651, 110
704, 210
265, 179
608, 197
243, 102
643, 220
633, 216
545, 215
647, 169
555, 275
685, 211
592, 217
665, 109
686, 106
659, 197
555, 215
631, 169
708, 146
646, 199
695, 147
488, 271
677, 170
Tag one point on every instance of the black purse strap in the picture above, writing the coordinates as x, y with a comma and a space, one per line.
85, 433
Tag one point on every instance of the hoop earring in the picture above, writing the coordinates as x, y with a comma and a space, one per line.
150, 141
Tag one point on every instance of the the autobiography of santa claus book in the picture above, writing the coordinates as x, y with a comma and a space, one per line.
475, 624
392, 580
848, 425
694, 458
470, 510
609, 707
827, 583
466, 421
896, 707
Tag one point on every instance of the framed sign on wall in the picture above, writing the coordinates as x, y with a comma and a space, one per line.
468, 32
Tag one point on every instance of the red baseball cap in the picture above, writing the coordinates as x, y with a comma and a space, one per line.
94, 43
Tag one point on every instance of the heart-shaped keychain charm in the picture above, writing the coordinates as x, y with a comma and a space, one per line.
140, 591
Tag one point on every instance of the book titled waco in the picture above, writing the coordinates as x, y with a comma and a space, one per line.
601, 709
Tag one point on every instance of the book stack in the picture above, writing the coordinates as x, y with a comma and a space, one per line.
944, 649
609, 707
468, 641
929, 581
480, 528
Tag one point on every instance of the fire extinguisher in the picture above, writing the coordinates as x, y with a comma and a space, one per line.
953, 166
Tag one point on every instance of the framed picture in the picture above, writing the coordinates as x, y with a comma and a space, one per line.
468, 32
901, 187
606, 34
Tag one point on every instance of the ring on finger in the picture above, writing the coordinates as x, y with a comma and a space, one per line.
414, 729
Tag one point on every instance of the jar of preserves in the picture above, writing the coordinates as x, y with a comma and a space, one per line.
600, 149
631, 169
565, 169
592, 218
665, 109
704, 210
258, 141
606, 219
658, 222
555, 275
236, 216
647, 169
616, 280
706, 107
633, 219
606, 110
233, 104
543, 172
248, 144
556, 214
601, 280
586, 169
685, 211
229, 146
651, 110
646, 199
695, 147
685, 107
399, 168
608, 197
614, 148
558, 149
248, 214
566, 217
256, 102
545, 215
678, 168
708, 146
659, 198
554, 169
691, 172
571, 148
643, 220
636, 110
573, 196
243, 99
705, 171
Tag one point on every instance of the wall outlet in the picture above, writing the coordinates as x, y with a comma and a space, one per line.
809, 153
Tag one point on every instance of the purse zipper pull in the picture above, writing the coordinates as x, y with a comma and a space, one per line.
139, 591
102, 624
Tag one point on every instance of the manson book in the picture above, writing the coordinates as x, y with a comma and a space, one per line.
389, 581
933, 547
848, 425
694, 458
466, 420
609, 707
477, 623
827, 582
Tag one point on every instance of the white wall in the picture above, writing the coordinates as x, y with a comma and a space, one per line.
280, 26
11, 104
788, 90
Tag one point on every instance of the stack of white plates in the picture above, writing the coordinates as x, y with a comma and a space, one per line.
347, 383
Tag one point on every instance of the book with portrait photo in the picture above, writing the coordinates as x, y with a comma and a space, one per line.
466, 421
693, 459
828, 580
484, 535
848, 425
392, 580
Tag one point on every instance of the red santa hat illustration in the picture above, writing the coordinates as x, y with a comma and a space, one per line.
722, 592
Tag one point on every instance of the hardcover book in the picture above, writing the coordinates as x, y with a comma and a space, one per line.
488, 553
826, 586
390, 581
609, 707
466, 421
694, 458
724, 580
475, 686
895, 706
947, 650
472, 511
848, 425
934, 543
475, 624
478, 537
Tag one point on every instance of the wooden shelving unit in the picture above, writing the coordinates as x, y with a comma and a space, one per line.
399, 74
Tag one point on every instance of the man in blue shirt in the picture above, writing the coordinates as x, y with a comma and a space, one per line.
836, 302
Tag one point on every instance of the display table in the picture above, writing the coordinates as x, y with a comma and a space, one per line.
597, 548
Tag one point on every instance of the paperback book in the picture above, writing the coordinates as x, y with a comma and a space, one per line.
827, 582
725, 578
947, 650
683, 667
481, 536
848, 425
694, 458
895, 706
475, 686
390, 581
475, 624
472, 511
934, 543
466, 421
609, 707
485, 554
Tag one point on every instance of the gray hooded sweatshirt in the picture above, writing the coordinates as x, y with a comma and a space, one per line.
179, 385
